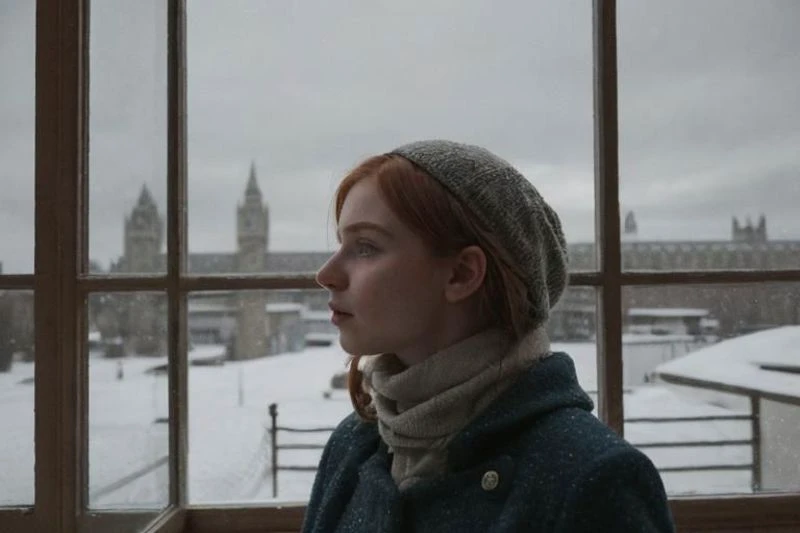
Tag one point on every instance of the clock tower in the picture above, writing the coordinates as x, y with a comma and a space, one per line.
252, 236
144, 322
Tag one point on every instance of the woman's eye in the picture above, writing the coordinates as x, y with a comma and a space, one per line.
365, 249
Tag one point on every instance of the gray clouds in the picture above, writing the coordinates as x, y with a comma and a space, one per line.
709, 108
710, 115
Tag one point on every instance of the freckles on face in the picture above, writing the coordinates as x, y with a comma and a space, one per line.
389, 280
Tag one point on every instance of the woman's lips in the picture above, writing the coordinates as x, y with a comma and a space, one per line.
338, 317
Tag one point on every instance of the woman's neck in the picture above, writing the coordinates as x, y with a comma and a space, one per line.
455, 329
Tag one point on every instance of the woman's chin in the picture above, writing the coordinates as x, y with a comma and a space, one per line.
348, 344
355, 346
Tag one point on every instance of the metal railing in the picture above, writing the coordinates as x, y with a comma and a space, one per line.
274, 429
753, 442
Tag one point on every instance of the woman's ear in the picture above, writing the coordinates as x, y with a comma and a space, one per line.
467, 275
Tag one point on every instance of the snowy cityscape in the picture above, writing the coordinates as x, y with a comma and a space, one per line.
282, 99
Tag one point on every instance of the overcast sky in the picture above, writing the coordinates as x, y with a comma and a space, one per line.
709, 109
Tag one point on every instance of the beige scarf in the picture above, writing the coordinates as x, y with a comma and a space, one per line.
422, 407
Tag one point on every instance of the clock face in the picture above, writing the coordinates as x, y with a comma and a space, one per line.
250, 223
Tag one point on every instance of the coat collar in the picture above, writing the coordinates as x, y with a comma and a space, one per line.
550, 384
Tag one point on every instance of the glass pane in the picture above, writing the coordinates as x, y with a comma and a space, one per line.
285, 100
128, 402
16, 398
128, 136
709, 129
714, 380
17, 108
572, 329
249, 350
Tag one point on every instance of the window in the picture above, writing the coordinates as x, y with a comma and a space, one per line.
189, 233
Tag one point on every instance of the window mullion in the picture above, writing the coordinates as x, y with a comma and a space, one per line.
60, 164
609, 359
176, 250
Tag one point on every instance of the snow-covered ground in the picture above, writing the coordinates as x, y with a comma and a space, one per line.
229, 442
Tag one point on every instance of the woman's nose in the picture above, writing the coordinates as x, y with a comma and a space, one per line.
330, 276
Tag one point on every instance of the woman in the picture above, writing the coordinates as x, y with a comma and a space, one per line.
449, 264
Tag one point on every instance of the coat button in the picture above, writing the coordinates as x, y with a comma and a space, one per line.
490, 480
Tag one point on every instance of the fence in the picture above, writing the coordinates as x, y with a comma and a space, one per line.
754, 442
274, 429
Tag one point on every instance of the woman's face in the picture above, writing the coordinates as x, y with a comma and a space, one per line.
387, 290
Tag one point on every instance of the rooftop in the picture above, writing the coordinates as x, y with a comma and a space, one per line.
667, 312
766, 363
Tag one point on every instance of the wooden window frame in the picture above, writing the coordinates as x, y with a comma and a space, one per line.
61, 285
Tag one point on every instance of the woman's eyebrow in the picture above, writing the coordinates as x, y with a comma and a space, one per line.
360, 226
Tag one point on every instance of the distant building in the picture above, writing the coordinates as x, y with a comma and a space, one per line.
253, 236
738, 309
630, 230
749, 233
574, 318
142, 320
671, 321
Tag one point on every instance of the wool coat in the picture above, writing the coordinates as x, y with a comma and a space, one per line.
536, 460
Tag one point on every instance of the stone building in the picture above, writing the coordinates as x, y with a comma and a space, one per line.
740, 309
139, 319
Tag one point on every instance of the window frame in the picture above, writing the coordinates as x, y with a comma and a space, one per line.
61, 283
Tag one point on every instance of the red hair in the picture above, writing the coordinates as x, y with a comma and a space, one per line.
446, 227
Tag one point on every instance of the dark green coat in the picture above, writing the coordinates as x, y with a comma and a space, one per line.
536, 460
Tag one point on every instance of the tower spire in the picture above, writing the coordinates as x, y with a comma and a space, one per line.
252, 182
145, 198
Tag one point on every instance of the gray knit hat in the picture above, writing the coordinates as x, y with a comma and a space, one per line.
509, 206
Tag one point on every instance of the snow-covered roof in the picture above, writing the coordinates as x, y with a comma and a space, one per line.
667, 312
651, 338
197, 353
744, 365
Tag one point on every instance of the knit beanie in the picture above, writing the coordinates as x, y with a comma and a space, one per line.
507, 205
